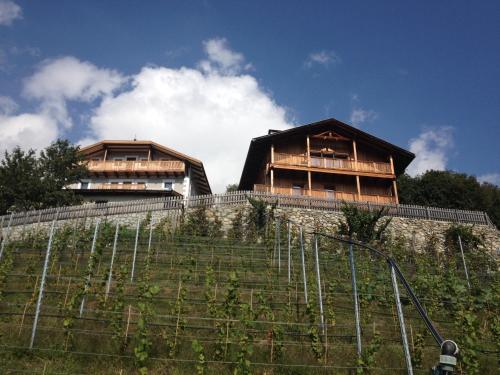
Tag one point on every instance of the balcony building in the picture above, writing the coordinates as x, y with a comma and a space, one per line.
327, 159
126, 170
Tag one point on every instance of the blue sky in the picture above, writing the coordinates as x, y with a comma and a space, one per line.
206, 76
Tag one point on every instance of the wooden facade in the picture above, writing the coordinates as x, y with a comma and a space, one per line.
124, 170
327, 159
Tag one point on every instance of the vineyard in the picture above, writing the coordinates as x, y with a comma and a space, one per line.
267, 297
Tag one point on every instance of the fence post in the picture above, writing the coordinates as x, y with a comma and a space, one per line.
463, 260
135, 249
42, 283
108, 286
402, 327
356, 301
318, 279
92, 250
5, 238
303, 265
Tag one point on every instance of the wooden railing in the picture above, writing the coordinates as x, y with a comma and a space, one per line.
117, 186
331, 163
135, 166
236, 198
326, 194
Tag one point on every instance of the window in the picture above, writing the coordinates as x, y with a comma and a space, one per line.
127, 182
297, 189
167, 185
84, 185
131, 158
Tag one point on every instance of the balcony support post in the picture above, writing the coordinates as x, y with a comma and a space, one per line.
272, 154
355, 151
309, 183
358, 187
105, 153
308, 153
272, 180
392, 164
395, 188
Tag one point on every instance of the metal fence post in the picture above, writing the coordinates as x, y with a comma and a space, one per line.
92, 250
135, 249
110, 277
318, 279
42, 284
303, 265
150, 238
289, 250
463, 260
402, 327
356, 300
279, 245
5, 238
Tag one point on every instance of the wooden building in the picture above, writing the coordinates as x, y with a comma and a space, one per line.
125, 170
326, 159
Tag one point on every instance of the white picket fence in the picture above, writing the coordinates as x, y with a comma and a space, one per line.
234, 198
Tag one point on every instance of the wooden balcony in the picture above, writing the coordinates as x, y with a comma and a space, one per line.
326, 194
117, 187
118, 167
333, 164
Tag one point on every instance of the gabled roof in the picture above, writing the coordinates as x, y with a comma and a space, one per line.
196, 165
260, 145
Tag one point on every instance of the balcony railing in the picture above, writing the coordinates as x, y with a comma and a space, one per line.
326, 194
117, 187
331, 163
135, 166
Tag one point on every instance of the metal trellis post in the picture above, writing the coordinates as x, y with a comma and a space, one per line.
463, 260
289, 251
356, 300
402, 327
135, 250
303, 265
92, 250
6, 237
110, 277
278, 228
42, 284
318, 279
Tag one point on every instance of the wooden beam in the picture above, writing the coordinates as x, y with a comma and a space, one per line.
354, 149
149, 154
331, 171
105, 153
392, 164
272, 154
309, 182
395, 188
308, 152
358, 187
272, 180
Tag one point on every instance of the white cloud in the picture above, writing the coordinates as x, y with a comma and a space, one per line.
324, 58
7, 105
222, 59
360, 115
431, 148
492, 178
9, 11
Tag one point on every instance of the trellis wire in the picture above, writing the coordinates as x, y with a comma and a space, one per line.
92, 250
110, 277
402, 327
355, 296
463, 260
42, 284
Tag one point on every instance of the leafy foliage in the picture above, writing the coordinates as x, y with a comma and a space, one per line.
362, 224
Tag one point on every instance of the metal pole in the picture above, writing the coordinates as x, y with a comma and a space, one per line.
4, 241
356, 301
108, 286
303, 265
150, 235
135, 250
42, 283
92, 250
279, 245
320, 297
463, 260
404, 338
289, 250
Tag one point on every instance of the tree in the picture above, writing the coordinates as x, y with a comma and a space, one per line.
30, 182
449, 189
231, 187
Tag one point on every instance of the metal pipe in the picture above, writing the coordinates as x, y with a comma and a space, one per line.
463, 260
108, 286
42, 283
279, 246
303, 266
150, 237
318, 278
356, 301
135, 250
289, 250
402, 327
92, 250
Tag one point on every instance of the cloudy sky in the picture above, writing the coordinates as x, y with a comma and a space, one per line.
204, 77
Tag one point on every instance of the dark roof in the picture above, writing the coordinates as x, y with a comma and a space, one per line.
260, 145
196, 165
